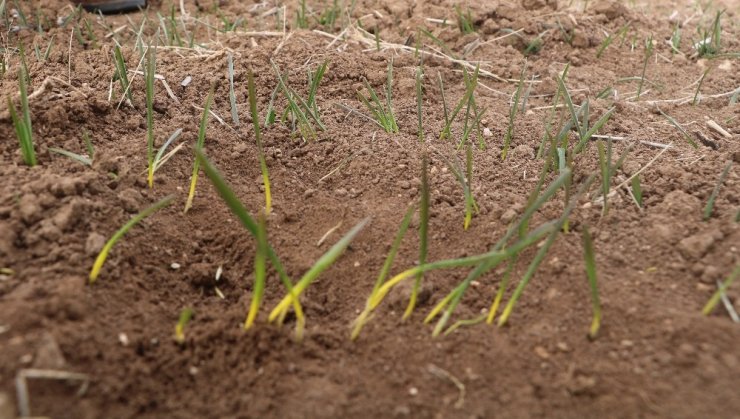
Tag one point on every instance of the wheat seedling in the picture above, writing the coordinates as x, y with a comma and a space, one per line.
185, 316
712, 303
260, 272
150, 69
122, 73
238, 209
362, 319
698, 86
22, 124
713, 197
322, 264
648, 54
590, 263
199, 146
258, 138
423, 234
232, 95
512, 114
103, 255
381, 112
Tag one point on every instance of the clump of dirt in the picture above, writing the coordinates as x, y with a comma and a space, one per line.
658, 263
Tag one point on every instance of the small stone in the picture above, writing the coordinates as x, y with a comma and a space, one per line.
404, 184
541, 352
340, 192
354, 193
508, 216
175, 266
193, 370
627, 343
562, 346
413, 391
309, 193
123, 339
186, 81
94, 243
487, 132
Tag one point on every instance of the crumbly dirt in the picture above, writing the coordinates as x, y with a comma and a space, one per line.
656, 355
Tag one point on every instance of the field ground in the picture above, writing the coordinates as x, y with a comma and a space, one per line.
656, 355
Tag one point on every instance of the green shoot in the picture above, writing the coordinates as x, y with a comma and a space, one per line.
676, 40
604, 45
314, 79
500, 293
464, 21
712, 303
362, 319
444, 99
512, 114
648, 54
299, 109
381, 112
258, 138
322, 264
637, 190
185, 316
466, 180
122, 72
681, 129
232, 95
698, 86
590, 262
539, 257
150, 69
238, 209
260, 272
88, 145
605, 159
710, 40
301, 19
419, 101
713, 197
329, 16
22, 124
550, 229
74, 156
161, 158
423, 234
199, 146
471, 82
103, 255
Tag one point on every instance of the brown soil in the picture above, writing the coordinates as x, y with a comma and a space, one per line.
656, 355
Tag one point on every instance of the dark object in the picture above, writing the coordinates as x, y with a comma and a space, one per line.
110, 6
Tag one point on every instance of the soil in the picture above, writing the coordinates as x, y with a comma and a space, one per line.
656, 354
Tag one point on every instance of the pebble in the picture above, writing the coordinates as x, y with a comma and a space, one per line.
627, 343
340, 192
487, 132
508, 216
175, 266
541, 352
94, 243
123, 339
404, 184
413, 391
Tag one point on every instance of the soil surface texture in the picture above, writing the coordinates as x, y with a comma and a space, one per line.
658, 262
